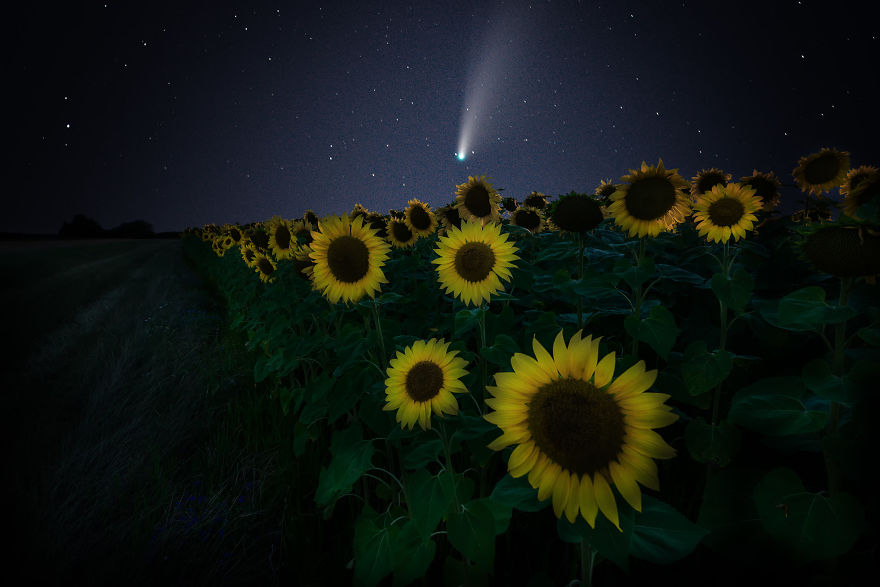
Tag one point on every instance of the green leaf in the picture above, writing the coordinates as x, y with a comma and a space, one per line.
870, 336
735, 290
456, 486
658, 330
661, 534
775, 407
422, 453
634, 275
732, 520
352, 457
606, 539
813, 526
675, 273
500, 352
710, 443
702, 370
465, 321
818, 378
411, 554
472, 532
426, 501
372, 549
517, 493
501, 513
806, 309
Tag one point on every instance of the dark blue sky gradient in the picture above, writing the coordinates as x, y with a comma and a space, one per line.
183, 114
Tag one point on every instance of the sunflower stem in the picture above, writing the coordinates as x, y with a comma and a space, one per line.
638, 296
837, 367
588, 558
444, 438
483, 368
375, 306
580, 277
722, 342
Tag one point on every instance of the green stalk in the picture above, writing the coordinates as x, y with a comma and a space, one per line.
580, 322
375, 308
483, 367
837, 367
588, 558
722, 343
637, 294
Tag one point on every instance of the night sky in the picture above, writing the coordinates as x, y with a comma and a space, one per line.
213, 112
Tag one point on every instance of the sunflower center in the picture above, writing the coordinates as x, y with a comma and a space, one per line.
726, 211
822, 169
477, 201
282, 237
575, 424
401, 232
527, 219
474, 261
577, 213
710, 180
419, 218
650, 198
424, 381
348, 258
265, 265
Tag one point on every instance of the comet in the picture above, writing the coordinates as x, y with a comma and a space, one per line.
489, 80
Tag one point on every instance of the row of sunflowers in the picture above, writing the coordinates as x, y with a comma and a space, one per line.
658, 269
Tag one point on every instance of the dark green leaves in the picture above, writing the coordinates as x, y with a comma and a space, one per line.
710, 443
735, 290
702, 370
775, 406
658, 329
661, 534
812, 526
351, 459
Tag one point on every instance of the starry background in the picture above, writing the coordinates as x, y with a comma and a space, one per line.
188, 113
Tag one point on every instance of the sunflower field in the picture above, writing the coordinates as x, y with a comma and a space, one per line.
664, 379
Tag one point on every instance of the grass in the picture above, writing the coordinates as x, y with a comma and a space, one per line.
131, 448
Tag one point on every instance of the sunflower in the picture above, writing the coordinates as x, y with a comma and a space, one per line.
400, 234
301, 232
861, 185
821, 171
844, 250
234, 232
529, 218
419, 218
348, 259
766, 187
358, 210
477, 199
535, 200
471, 261
248, 254
706, 179
509, 204
725, 211
302, 263
578, 429
449, 218
604, 191
651, 201
311, 219
422, 380
265, 267
576, 212
378, 223
281, 239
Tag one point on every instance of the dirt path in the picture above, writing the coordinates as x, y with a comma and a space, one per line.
101, 402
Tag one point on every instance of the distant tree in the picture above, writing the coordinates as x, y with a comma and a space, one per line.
133, 229
81, 227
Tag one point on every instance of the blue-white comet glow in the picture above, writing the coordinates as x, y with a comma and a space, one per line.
487, 80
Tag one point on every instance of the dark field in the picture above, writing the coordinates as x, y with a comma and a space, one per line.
117, 384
